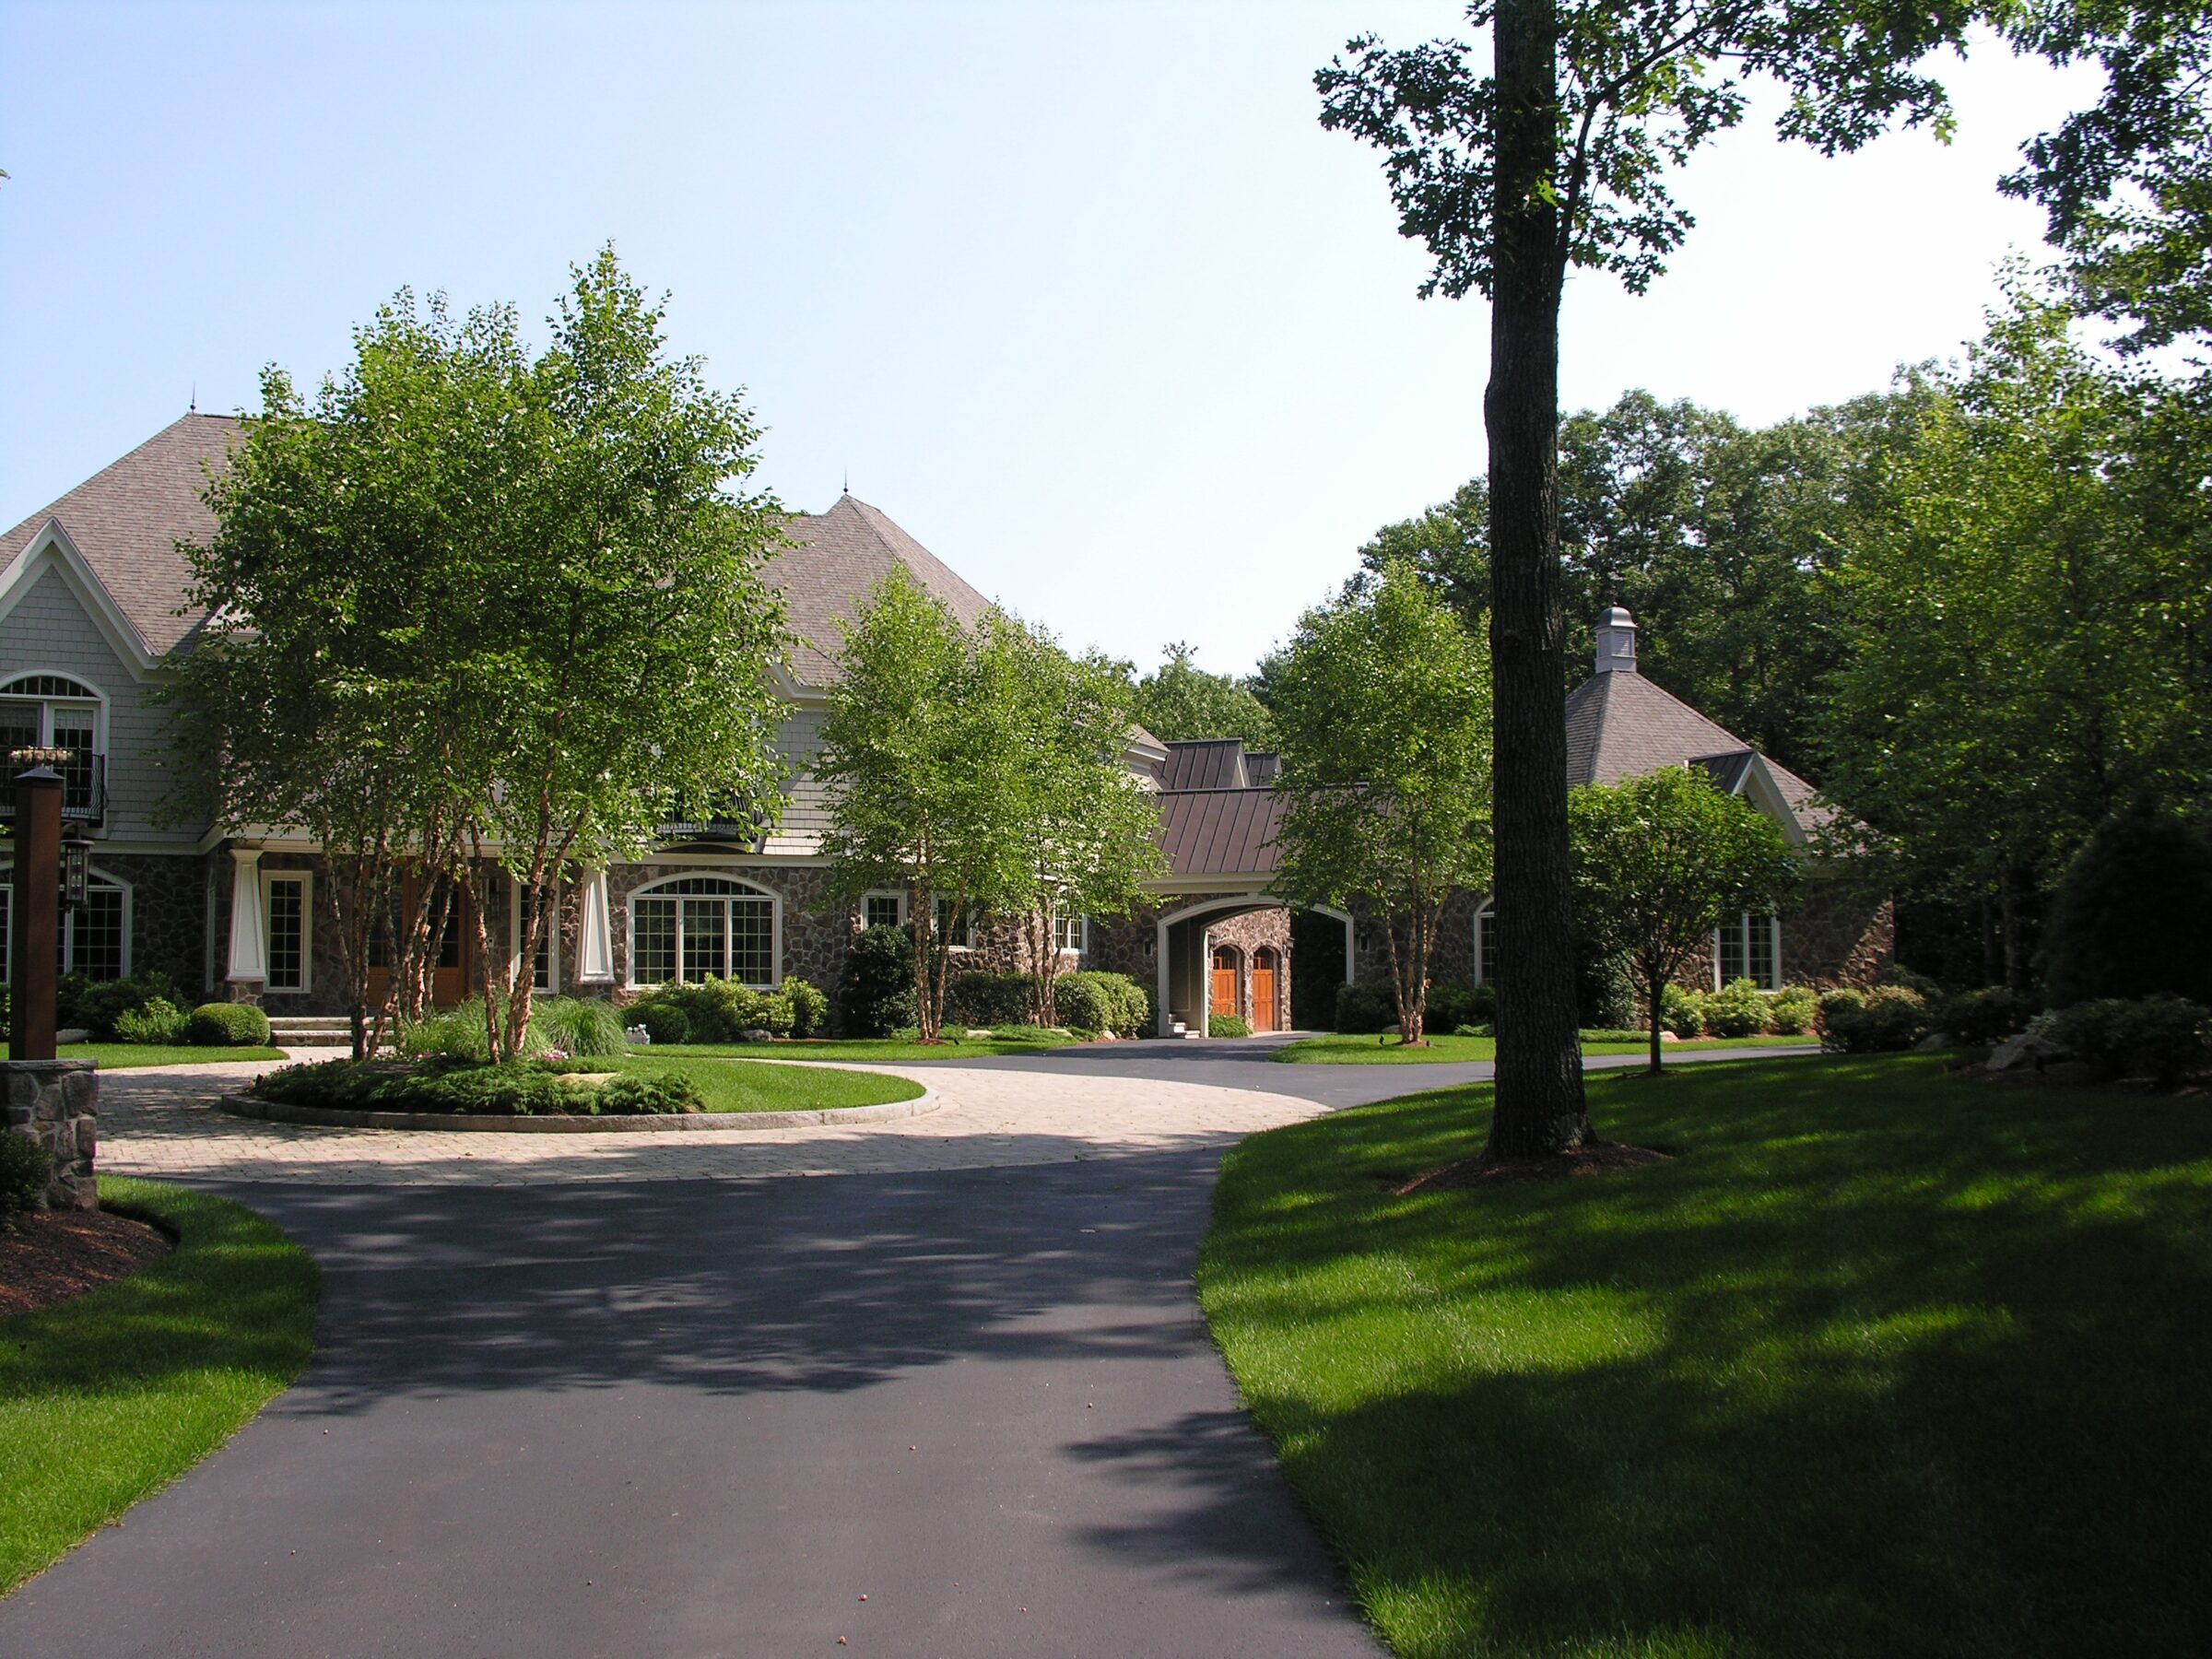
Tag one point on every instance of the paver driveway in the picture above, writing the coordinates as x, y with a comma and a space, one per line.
586, 1413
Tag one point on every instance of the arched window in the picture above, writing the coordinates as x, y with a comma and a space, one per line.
95, 940
1486, 944
53, 710
700, 927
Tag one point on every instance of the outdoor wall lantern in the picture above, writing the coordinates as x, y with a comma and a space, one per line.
77, 871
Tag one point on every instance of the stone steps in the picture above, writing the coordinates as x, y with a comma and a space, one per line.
311, 1030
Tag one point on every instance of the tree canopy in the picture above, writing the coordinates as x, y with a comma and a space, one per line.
1383, 707
1179, 700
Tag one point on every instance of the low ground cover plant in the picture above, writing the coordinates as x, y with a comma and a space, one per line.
514, 1088
1675, 1439
1227, 1025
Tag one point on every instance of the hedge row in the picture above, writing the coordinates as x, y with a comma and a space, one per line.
517, 1088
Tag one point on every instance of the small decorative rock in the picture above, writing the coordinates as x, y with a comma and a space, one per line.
754, 1034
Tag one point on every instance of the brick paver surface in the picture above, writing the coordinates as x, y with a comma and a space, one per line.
163, 1123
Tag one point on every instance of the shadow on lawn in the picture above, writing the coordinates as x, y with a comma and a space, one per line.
1882, 1364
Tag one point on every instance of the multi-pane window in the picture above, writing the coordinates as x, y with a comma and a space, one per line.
51, 711
1749, 946
286, 902
882, 910
544, 971
95, 940
1067, 933
702, 927
958, 925
1485, 945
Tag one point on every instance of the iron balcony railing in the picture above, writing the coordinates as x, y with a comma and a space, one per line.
84, 783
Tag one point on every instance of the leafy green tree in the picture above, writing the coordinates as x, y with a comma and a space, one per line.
1179, 699
473, 611
919, 751
2027, 640
1559, 155
1088, 834
1659, 862
1384, 711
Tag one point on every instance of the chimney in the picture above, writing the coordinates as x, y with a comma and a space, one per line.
1616, 643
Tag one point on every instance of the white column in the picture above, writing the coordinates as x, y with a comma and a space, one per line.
594, 935
1167, 1015
1205, 981
249, 935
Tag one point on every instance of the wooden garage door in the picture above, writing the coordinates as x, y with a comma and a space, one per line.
1225, 981
1262, 990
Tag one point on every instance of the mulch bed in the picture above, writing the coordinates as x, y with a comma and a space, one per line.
1599, 1157
58, 1254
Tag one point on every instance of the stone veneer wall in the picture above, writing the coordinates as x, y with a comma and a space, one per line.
57, 1102
1247, 933
1833, 936
169, 913
1453, 957
816, 930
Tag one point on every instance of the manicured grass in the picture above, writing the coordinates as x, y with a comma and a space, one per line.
740, 1086
126, 1057
109, 1397
1346, 1049
883, 1049
1881, 1363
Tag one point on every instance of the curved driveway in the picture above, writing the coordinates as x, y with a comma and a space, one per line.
956, 1400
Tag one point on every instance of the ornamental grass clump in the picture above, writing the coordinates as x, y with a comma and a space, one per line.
581, 1026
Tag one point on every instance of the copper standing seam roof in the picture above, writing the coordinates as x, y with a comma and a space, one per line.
1220, 831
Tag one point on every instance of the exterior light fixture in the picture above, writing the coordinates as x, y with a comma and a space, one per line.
77, 871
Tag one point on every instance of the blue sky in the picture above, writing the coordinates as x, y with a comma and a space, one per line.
1080, 294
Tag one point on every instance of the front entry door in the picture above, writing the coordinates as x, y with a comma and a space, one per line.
449, 979
1262, 990
1225, 981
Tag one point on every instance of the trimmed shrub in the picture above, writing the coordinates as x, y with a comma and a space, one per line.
1980, 1019
1093, 1001
2132, 913
25, 1169
1452, 1004
228, 1025
1794, 1010
1227, 1025
719, 1010
1367, 1005
577, 1025
663, 1024
1737, 1009
2164, 1038
1605, 993
519, 1089
1887, 1019
158, 1020
1682, 1011
876, 992
809, 1007
987, 999
96, 1005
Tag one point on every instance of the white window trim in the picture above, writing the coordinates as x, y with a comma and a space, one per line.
68, 920
1743, 919
896, 895
93, 695
630, 927
1082, 944
1484, 915
306, 879
965, 938
515, 937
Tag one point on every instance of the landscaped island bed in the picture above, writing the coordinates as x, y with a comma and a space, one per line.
620, 1084
109, 1397
1877, 1362
1349, 1048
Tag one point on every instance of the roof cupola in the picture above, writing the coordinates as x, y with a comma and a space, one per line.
1616, 642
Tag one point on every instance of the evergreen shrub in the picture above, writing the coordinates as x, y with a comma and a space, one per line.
876, 992
1794, 1011
1979, 1018
2132, 911
1887, 1019
987, 999
1093, 1001
1682, 1011
2164, 1038
25, 1169
1737, 1009
228, 1025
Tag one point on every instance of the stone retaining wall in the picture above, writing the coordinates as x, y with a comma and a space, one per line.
57, 1102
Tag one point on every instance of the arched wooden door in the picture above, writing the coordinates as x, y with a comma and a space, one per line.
1225, 980
1263, 989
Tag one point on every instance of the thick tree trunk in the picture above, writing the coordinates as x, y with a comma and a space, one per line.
1540, 1106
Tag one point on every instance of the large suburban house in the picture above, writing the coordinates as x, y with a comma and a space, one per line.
92, 605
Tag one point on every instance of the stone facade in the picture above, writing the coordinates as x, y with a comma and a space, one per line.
1247, 936
169, 913
57, 1102
815, 930
1834, 936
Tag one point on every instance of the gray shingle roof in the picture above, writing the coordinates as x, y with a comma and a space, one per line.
1621, 725
1220, 831
127, 518
841, 556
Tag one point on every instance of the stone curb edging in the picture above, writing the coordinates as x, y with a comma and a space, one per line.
330, 1117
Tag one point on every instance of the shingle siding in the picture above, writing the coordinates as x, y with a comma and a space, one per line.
48, 629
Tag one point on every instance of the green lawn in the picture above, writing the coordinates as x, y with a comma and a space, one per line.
1346, 1049
740, 1086
124, 1056
883, 1049
1881, 1363
111, 1396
